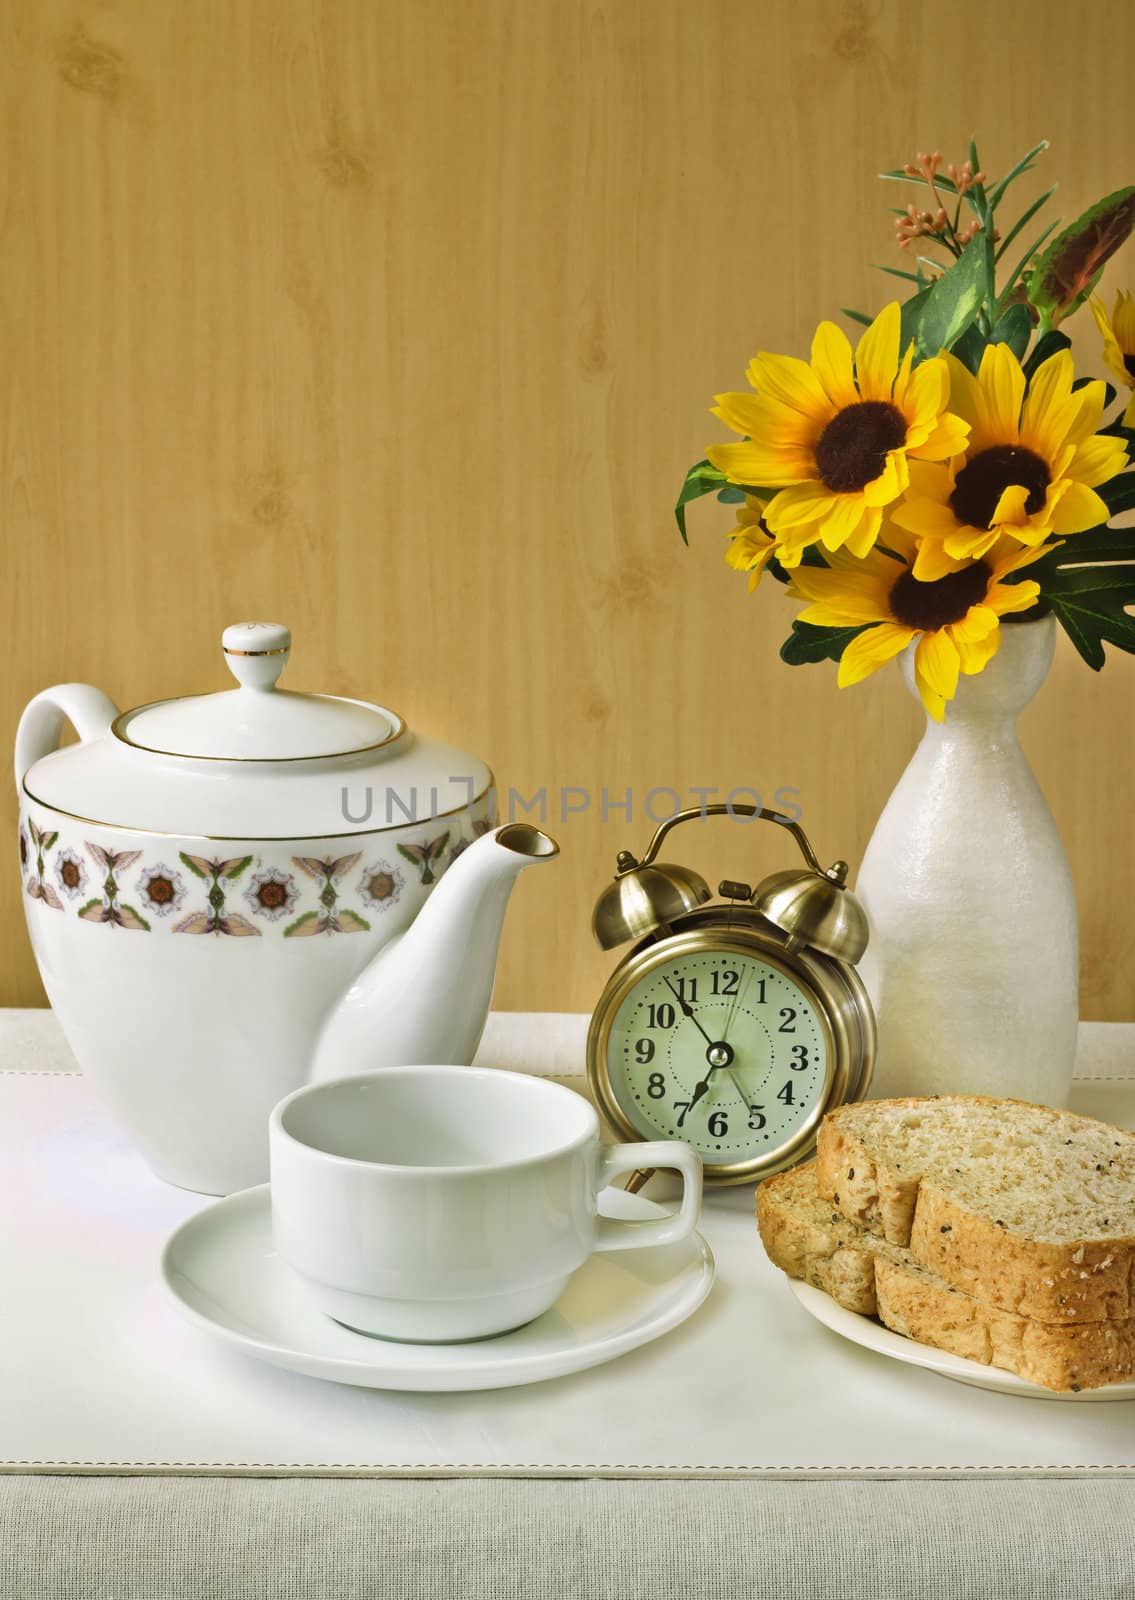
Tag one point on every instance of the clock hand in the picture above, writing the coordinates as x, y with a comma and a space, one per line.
718, 1055
740, 1090
699, 1089
687, 1010
737, 998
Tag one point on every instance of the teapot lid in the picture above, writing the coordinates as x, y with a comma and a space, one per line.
257, 721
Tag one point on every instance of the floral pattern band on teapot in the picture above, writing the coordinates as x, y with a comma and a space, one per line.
292, 896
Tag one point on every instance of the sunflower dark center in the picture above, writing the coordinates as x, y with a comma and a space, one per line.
852, 450
982, 482
1129, 363
928, 606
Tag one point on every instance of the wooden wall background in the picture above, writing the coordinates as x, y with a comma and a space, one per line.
398, 321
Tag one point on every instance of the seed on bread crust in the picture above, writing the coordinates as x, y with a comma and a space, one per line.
867, 1275
1019, 1187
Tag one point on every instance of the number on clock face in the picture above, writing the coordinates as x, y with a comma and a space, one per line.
722, 1050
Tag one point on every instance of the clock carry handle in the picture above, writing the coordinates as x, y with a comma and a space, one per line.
614, 1234
702, 812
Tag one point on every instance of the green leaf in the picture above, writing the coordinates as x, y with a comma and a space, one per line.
908, 327
1093, 617
1083, 560
897, 175
731, 495
1047, 345
1096, 545
702, 478
857, 316
897, 272
1119, 494
1011, 280
1023, 165
1022, 221
1015, 329
1064, 276
1095, 580
951, 304
807, 643
970, 348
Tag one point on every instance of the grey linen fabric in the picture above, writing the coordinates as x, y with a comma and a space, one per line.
83, 1538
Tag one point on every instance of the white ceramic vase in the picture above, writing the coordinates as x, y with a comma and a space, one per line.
973, 964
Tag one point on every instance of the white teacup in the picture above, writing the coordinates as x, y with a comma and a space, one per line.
442, 1203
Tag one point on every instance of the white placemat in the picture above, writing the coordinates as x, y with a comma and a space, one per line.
98, 1373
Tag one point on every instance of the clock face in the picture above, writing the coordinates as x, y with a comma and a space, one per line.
722, 1049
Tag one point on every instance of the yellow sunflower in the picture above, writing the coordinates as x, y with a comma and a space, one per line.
1029, 470
1118, 333
955, 619
750, 543
833, 436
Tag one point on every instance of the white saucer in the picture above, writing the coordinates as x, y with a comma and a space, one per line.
873, 1335
223, 1270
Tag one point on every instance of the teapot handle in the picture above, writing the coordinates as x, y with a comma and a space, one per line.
87, 709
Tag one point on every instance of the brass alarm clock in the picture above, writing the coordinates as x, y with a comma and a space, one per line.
732, 1024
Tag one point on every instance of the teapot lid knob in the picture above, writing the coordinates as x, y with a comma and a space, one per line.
256, 652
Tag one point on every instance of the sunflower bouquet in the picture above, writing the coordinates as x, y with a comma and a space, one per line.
951, 470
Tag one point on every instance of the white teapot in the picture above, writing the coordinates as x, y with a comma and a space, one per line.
231, 893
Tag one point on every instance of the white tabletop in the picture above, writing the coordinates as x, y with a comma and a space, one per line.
100, 1374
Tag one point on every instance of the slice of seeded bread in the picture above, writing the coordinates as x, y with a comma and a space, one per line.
1029, 1209
807, 1239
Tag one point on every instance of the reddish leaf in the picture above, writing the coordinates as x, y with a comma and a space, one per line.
1067, 271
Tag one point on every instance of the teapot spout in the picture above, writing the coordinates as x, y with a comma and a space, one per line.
425, 996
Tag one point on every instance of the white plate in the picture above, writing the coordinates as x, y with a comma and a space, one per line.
873, 1335
223, 1270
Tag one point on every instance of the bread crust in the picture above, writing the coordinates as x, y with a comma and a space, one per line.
1083, 1355
867, 1275
1071, 1282
821, 1254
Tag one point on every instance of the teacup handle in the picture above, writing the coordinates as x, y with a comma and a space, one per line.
616, 1234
